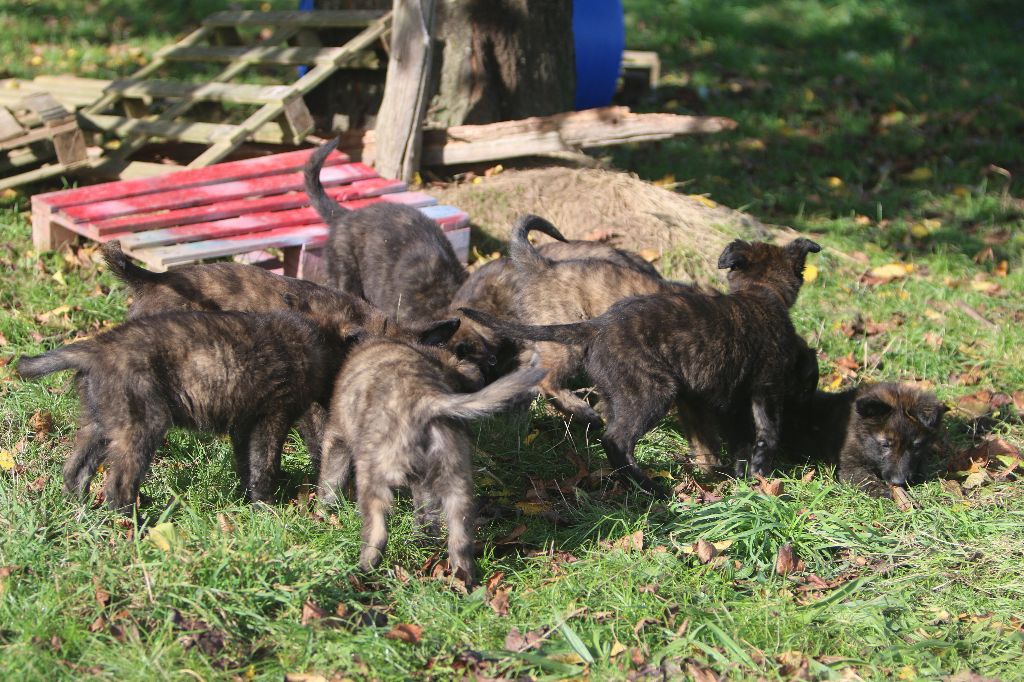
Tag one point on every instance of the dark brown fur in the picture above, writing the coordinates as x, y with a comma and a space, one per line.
491, 288
390, 254
398, 415
877, 435
733, 354
558, 291
245, 374
247, 288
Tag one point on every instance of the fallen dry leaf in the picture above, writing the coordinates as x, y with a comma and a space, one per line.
883, 274
304, 677
772, 488
706, 551
903, 500
41, 423
518, 642
786, 561
37, 485
406, 632
650, 255
499, 602
311, 612
627, 543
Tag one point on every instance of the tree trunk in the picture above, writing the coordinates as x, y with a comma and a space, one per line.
498, 60
503, 60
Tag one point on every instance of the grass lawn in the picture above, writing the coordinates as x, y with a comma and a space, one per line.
891, 131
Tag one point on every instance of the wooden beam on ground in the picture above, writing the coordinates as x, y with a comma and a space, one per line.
319, 19
400, 119
542, 135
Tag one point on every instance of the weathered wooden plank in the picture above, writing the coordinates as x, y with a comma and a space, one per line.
317, 19
185, 131
276, 164
166, 256
542, 135
257, 222
230, 209
9, 126
238, 93
287, 56
400, 119
210, 193
36, 135
451, 219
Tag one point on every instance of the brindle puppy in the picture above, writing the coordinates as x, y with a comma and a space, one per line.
398, 413
734, 353
247, 288
390, 254
877, 435
550, 292
249, 375
491, 288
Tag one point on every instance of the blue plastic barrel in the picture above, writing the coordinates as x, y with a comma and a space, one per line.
599, 34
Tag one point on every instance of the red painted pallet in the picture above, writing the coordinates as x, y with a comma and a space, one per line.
224, 210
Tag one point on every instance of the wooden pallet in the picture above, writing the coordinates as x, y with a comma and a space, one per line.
144, 107
224, 210
39, 139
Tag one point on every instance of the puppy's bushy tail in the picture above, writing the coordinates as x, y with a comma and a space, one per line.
329, 210
492, 397
576, 333
75, 356
124, 269
520, 250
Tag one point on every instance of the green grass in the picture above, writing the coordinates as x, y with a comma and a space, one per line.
912, 595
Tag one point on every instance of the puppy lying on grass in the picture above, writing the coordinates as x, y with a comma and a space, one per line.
247, 288
491, 288
558, 291
249, 375
732, 354
390, 254
877, 435
398, 414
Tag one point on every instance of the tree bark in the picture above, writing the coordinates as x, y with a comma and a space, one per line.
503, 60
498, 60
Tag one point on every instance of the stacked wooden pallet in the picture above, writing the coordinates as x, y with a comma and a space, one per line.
226, 209
146, 106
39, 139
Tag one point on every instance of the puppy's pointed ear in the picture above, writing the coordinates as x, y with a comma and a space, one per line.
295, 303
439, 333
734, 256
802, 246
871, 407
930, 414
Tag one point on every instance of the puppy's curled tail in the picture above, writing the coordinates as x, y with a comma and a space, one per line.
76, 356
327, 208
577, 333
491, 398
520, 250
124, 269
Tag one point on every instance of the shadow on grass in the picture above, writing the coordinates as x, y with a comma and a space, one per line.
883, 109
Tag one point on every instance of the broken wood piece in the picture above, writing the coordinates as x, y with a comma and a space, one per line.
542, 135
400, 118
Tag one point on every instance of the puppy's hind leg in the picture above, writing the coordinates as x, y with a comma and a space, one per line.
375, 498
266, 440
427, 509
311, 427
335, 468
459, 510
701, 428
130, 451
630, 416
562, 364
767, 416
90, 449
